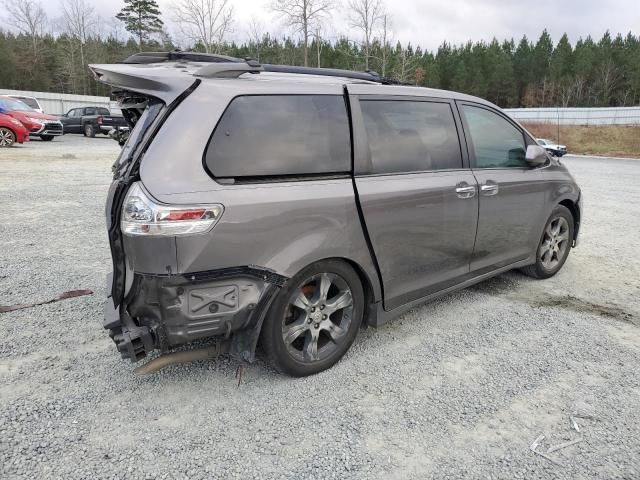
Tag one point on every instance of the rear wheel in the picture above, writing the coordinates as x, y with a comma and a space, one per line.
7, 137
314, 319
554, 245
89, 131
46, 138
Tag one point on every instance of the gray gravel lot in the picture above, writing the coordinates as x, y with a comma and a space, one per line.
458, 388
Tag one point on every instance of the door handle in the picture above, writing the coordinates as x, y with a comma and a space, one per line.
489, 189
466, 192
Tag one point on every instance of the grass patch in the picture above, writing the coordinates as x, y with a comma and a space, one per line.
613, 140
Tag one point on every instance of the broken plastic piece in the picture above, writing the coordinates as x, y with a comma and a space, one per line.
536, 442
564, 445
545, 456
574, 424
533, 447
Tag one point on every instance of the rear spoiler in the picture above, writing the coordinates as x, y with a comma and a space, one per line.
158, 81
166, 81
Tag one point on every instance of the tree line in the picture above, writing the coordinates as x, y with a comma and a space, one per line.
51, 55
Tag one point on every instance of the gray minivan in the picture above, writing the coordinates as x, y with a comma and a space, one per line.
290, 206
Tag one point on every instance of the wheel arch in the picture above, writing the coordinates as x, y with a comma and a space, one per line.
366, 281
15, 134
574, 208
367, 288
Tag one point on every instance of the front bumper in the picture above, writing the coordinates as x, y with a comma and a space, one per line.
51, 128
164, 312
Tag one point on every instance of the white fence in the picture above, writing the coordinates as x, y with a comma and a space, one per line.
578, 116
59, 103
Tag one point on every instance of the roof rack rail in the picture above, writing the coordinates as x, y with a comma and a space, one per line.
228, 69
247, 65
157, 57
329, 72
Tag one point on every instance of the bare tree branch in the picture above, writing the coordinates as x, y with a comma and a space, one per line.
29, 18
204, 21
304, 16
365, 15
385, 24
79, 21
256, 35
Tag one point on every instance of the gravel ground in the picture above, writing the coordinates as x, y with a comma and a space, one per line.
458, 388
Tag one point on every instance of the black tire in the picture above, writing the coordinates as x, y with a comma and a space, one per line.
542, 269
89, 131
7, 137
46, 138
283, 317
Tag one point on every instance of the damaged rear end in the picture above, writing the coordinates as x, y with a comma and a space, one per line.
153, 303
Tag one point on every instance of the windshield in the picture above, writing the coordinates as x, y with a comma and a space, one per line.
12, 105
542, 141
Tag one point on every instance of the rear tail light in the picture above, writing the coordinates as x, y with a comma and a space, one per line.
99, 120
143, 216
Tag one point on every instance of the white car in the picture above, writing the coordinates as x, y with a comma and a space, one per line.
552, 148
30, 101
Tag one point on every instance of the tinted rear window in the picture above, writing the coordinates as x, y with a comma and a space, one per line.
103, 111
411, 136
274, 135
29, 101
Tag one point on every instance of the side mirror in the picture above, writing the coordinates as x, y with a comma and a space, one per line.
536, 155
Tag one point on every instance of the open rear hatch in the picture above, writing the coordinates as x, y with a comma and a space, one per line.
147, 94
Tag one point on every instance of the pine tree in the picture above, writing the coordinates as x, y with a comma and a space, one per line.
522, 67
141, 17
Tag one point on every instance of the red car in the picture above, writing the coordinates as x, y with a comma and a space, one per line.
12, 131
39, 124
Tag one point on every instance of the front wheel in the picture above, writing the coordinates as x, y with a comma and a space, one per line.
554, 245
314, 319
7, 137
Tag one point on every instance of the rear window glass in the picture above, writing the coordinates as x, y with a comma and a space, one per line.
274, 135
103, 111
29, 101
411, 136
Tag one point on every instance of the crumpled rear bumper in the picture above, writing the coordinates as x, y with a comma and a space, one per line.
163, 312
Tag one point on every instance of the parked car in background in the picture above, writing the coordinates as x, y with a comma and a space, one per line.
304, 203
91, 120
31, 101
12, 131
552, 148
38, 124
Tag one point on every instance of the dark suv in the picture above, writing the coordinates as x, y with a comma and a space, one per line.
298, 204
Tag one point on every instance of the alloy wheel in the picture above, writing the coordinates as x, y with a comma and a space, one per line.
555, 243
318, 317
7, 138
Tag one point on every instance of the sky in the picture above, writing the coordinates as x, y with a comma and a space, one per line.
428, 23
